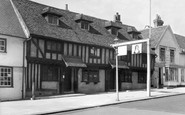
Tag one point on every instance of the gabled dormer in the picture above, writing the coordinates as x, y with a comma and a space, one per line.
133, 33
84, 23
53, 17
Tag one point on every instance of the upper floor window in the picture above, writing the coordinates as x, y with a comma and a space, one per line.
6, 76
52, 19
94, 52
142, 77
84, 25
162, 54
172, 55
2, 45
53, 46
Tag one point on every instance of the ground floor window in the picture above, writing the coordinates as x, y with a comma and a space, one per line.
126, 76
142, 77
50, 73
6, 77
171, 74
90, 75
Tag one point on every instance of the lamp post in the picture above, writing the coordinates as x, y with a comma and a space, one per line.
117, 88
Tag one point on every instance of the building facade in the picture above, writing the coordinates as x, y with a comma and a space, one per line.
68, 52
169, 66
12, 40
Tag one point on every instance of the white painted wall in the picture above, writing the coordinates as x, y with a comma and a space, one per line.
15, 92
170, 43
13, 58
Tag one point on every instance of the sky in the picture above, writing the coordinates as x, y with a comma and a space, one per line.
133, 12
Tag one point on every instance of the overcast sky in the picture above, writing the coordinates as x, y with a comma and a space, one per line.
133, 12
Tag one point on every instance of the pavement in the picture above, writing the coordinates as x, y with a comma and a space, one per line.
77, 102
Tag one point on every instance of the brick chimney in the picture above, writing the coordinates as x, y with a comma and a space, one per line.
67, 9
158, 21
117, 18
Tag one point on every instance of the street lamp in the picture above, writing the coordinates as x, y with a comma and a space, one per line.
117, 89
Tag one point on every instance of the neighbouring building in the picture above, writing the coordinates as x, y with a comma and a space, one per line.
68, 52
170, 60
12, 39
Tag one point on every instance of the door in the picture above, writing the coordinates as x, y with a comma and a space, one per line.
67, 80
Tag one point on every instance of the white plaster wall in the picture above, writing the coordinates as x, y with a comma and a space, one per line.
15, 92
13, 58
91, 87
14, 55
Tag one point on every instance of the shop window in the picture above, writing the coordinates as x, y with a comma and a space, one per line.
2, 45
173, 74
126, 76
94, 52
142, 77
6, 77
50, 73
182, 75
89, 75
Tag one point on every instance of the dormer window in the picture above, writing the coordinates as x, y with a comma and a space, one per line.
133, 33
52, 19
114, 31
84, 25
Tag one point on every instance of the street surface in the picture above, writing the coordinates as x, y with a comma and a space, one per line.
174, 105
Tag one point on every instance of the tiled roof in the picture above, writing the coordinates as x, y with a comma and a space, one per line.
156, 34
36, 23
180, 40
9, 23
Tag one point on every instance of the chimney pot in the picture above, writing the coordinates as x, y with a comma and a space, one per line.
117, 18
67, 7
158, 21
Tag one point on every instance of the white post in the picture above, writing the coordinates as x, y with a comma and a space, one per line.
148, 69
148, 54
117, 88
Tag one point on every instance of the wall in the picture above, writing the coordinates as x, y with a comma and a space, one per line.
91, 87
13, 58
134, 85
13, 93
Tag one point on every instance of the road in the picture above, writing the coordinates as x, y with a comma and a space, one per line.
174, 105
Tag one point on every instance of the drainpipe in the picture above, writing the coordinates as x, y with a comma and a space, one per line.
24, 71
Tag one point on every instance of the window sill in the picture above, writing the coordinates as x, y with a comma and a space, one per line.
6, 87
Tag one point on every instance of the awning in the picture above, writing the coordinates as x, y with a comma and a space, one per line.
159, 64
121, 64
71, 61
176, 66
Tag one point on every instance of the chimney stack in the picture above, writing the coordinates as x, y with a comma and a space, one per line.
117, 18
158, 21
67, 7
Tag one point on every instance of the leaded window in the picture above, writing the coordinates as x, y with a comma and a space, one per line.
90, 75
6, 76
